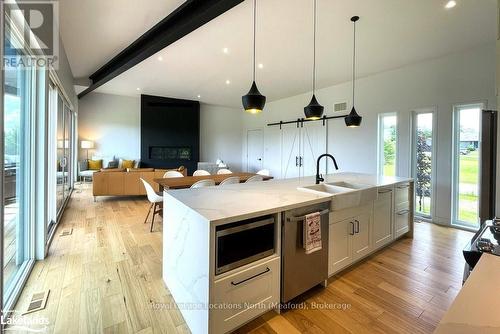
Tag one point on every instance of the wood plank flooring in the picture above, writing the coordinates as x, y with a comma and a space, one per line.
106, 278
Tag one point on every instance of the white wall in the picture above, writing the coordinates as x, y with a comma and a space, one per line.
458, 78
114, 123
221, 134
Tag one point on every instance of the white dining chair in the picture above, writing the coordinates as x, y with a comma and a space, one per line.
230, 180
203, 183
155, 199
264, 172
172, 173
200, 172
224, 171
255, 178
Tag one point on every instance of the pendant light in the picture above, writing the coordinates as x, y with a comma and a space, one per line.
254, 101
353, 119
314, 110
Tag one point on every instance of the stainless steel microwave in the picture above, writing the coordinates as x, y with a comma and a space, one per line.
240, 243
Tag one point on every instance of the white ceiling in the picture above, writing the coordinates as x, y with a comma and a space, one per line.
94, 31
391, 34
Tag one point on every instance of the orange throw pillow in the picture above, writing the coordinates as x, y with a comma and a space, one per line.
95, 164
128, 164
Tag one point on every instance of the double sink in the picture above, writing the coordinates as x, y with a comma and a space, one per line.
345, 194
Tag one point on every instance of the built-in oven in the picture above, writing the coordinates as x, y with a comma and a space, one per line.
240, 243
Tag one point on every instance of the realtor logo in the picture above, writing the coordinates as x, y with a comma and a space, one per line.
31, 32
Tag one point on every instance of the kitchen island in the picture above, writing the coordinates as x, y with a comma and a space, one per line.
365, 212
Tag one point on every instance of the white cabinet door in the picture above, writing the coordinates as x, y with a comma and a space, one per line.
313, 144
361, 240
382, 218
290, 151
339, 247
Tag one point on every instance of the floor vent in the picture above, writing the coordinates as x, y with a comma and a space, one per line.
66, 232
38, 302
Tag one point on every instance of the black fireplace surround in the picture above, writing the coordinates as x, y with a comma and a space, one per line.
170, 132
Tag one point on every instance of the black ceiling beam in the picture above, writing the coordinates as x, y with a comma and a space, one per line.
188, 17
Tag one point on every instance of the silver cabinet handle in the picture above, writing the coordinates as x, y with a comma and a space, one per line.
300, 162
252, 277
296, 161
403, 212
384, 191
404, 186
352, 228
357, 225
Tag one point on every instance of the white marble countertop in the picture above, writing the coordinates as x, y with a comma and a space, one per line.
475, 309
247, 200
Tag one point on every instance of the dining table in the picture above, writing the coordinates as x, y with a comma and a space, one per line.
188, 181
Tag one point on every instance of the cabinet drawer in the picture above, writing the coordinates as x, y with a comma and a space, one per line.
244, 295
401, 222
402, 193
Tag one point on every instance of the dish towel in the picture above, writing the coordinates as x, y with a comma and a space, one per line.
312, 233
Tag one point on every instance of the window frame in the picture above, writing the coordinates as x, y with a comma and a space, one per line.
380, 143
455, 165
414, 114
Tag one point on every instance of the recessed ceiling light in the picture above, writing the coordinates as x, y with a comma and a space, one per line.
228, 82
160, 58
138, 88
225, 50
261, 66
450, 4
199, 96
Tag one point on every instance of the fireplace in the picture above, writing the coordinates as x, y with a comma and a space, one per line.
170, 132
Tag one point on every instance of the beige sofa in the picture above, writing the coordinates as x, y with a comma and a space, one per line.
120, 182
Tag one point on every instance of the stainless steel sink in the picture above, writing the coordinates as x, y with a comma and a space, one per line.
345, 194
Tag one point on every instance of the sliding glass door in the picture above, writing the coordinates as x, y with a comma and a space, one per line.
19, 101
423, 161
466, 165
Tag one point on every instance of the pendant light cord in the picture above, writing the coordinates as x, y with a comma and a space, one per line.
354, 64
314, 48
254, 24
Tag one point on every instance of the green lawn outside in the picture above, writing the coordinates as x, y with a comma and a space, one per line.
469, 168
469, 174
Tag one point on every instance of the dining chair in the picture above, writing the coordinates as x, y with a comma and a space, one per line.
155, 199
172, 173
264, 172
230, 180
203, 183
200, 172
224, 171
255, 178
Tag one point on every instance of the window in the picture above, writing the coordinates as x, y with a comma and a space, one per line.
423, 160
387, 144
18, 116
466, 165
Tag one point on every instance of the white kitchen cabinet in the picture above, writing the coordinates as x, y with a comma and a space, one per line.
300, 148
383, 218
361, 239
340, 245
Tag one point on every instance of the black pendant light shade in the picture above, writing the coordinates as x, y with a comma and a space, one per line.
254, 101
353, 119
313, 110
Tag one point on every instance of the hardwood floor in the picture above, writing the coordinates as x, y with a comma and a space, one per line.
106, 278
